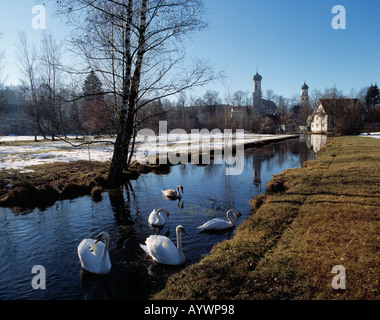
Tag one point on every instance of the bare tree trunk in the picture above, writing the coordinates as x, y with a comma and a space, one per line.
126, 128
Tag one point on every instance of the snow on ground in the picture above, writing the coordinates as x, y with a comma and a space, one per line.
371, 135
31, 153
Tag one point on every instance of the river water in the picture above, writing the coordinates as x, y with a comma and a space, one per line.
50, 237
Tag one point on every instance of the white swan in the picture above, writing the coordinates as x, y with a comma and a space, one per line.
163, 250
93, 254
220, 224
158, 217
172, 194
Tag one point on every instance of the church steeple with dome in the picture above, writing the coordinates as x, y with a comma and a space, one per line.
260, 105
304, 99
257, 94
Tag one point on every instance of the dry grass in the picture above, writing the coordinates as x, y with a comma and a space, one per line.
51, 182
314, 218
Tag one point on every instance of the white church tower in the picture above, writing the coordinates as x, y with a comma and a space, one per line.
304, 99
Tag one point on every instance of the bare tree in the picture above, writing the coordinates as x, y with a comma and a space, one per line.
27, 58
211, 98
2, 63
136, 46
270, 95
282, 108
239, 98
315, 95
2, 92
51, 78
333, 93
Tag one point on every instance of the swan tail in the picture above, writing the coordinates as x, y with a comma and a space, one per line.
145, 248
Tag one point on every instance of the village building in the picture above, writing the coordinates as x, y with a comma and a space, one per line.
289, 124
328, 114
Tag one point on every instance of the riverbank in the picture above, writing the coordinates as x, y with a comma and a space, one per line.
28, 187
310, 220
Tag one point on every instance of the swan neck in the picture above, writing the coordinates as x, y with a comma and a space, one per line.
177, 190
229, 214
179, 240
105, 250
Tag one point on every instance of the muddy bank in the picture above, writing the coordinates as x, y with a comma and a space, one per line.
43, 185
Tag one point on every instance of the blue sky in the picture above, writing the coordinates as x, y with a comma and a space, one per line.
290, 41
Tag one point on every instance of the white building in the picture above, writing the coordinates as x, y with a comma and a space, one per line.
328, 112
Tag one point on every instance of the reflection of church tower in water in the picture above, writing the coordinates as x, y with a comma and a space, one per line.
257, 170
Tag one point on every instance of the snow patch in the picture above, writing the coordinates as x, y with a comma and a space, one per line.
37, 153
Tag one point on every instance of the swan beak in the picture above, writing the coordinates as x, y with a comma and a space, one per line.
183, 230
99, 238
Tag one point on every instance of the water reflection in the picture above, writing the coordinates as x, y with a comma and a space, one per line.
50, 238
316, 141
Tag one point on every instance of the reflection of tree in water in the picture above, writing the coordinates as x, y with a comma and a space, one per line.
131, 277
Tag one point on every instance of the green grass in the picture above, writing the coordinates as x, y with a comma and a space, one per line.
316, 217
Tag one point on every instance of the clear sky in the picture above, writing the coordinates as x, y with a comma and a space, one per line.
291, 41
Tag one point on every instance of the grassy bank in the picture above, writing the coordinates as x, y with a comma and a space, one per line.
310, 220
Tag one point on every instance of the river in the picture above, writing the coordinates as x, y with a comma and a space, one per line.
50, 237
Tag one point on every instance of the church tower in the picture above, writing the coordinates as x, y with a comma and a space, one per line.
304, 99
257, 94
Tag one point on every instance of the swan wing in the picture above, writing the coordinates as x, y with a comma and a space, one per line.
216, 224
169, 193
90, 256
106, 266
162, 250
156, 219
153, 217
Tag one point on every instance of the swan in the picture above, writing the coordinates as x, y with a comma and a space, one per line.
157, 217
163, 250
172, 194
220, 224
93, 254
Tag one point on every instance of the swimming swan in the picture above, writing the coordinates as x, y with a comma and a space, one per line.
220, 224
93, 254
172, 194
163, 250
157, 217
